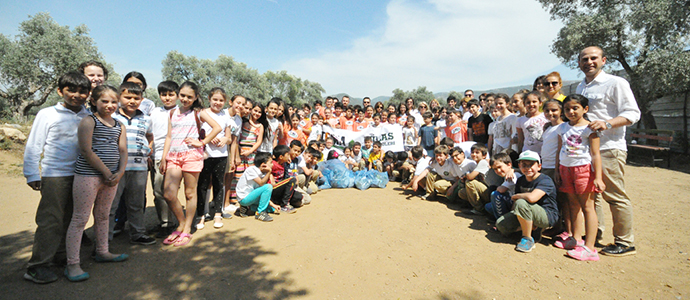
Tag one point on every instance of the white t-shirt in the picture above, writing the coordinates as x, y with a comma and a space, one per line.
575, 147
147, 106
503, 127
422, 164
510, 184
160, 117
235, 123
532, 130
466, 116
409, 136
222, 120
549, 148
482, 167
246, 183
465, 167
316, 131
267, 144
446, 170
441, 124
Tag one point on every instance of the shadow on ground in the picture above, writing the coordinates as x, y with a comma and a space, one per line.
222, 265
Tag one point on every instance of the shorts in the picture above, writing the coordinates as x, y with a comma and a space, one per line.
576, 180
190, 161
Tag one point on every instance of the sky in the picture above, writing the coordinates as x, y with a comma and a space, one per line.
362, 48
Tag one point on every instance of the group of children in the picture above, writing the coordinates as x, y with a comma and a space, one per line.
259, 160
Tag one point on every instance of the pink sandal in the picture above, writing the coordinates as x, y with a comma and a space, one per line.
172, 238
181, 241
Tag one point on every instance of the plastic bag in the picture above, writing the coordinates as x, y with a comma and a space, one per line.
362, 181
337, 174
378, 179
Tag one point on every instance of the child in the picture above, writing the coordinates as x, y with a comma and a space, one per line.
284, 186
409, 134
183, 158
478, 124
402, 114
439, 174
500, 201
292, 132
535, 204
389, 164
457, 128
213, 172
234, 113
274, 129
579, 175
254, 188
54, 145
160, 117
357, 156
503, 125
100, 165
393, 120
251, 137
461, 167
347, 121
428, 137
316, 128
531, 126
147, 105
293, 169
307, 170
553, 111
376, 157
348, 159
517, 103
476, 190
132, 187
361, 121
416, 167
330, 141
377, 120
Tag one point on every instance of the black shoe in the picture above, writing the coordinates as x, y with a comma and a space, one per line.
536, 234
243, 211
40, 275
618, 250
143, 240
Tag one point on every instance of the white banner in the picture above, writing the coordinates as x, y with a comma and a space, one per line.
390, 136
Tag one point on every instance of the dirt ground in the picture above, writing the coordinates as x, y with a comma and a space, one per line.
373, 244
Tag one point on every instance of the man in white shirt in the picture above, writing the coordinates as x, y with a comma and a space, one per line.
612, 106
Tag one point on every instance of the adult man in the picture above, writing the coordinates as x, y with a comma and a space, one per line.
469, 93
346, 101
612, 106
366, 102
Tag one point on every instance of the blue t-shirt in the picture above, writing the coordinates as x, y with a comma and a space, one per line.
548, 202
428, 134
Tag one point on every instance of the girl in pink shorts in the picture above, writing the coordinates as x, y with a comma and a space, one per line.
183, 158
579, 175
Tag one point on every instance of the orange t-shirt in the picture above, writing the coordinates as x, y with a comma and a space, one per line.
290, 135
457, 132
347, 124
359, 126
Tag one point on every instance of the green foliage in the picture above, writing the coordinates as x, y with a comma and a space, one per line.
237, 78
419, 94
32, 61
647, 38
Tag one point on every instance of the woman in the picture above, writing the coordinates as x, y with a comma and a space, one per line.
553, 85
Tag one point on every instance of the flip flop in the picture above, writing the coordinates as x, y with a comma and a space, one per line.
172, 238
181, 241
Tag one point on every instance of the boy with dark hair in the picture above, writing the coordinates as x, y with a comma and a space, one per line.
284, 187
376, 157
293, 169
53, 145
500, 202
132, 186
535, 204
428, 137
416, 167
476, 191
439, 174
254, 189
160, 117
478, 124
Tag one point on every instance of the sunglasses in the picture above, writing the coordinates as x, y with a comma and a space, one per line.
468, 95
552, 83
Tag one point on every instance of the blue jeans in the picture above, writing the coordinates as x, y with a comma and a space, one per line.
499, 205
258, 199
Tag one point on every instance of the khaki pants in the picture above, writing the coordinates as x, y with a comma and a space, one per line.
476, 193
303, 182
53, 216
435, 184
613, 163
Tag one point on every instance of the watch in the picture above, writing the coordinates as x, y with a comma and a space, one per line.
608, 125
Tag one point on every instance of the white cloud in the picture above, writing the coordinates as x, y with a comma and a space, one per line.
443, 45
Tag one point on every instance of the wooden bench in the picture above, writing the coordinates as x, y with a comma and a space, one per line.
653, 140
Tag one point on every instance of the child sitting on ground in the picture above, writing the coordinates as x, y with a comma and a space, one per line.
439, 174
307, 173
254, 189
357, 156
462, 167
500, 201
376, 157
535, 205
416, 166
366, 150
476, 190
348, 159
284, 187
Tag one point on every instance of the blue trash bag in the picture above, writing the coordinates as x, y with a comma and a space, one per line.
338, 175
326, 183
378, 179
362, 181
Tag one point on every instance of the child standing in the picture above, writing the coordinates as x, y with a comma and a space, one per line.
213, 172
53, 144
503, 125
235, 125
250, 140
292, 132
100, 165
274, 129
183, 158
531, 126
478, 123
409, 134
132, 187
579, 175
428, 137
254, 188
456, 129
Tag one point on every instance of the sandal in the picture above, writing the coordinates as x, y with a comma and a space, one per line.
183, 240
172, 238
217, 222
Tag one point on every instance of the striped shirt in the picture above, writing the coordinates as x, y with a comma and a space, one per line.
137, 145
105, 143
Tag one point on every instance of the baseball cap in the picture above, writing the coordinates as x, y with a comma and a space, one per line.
529, 155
